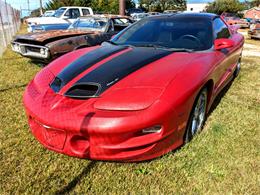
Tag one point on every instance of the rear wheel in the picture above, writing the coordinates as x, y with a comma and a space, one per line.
198, 115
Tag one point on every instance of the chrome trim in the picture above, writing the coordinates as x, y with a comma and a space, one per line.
27, 53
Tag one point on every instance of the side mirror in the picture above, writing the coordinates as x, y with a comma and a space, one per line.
223, 43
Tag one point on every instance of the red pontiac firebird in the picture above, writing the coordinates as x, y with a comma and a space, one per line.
138, 96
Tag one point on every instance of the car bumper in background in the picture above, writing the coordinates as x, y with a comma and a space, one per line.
31, 51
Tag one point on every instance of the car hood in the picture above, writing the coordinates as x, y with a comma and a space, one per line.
110, 77
53, 34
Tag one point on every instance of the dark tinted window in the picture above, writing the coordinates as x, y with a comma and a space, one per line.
73, 13
85, 12
220, 29
179, 32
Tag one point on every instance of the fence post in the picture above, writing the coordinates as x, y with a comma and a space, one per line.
2, 29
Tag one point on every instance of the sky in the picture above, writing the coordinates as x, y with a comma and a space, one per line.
23, 4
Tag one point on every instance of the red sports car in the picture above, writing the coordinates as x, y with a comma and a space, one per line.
138, 96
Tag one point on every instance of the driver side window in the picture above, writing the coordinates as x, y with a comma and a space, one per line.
220, 29
72, 13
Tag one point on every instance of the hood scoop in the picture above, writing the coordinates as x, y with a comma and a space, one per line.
83, 90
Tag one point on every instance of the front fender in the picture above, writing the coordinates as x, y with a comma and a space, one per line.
66, 45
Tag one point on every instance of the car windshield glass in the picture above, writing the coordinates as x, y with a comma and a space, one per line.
122, 21
98, 24
48, 14
172, 32
59, 12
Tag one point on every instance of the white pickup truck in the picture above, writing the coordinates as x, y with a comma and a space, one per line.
61, 16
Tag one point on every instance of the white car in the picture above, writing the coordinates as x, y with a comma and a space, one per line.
61, 16
139, 16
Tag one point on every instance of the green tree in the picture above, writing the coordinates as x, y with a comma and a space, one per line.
109, 6
56, 4
255, 3
161, 5
220, 6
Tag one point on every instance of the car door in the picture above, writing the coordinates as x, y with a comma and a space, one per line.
225, 57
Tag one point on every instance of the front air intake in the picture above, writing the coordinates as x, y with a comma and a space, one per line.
83, 90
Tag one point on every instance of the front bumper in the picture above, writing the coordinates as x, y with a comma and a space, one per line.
126, 146
31, 51
101, 135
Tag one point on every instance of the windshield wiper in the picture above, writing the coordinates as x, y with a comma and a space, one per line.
166, 48
152, 45
111, 42
181, 50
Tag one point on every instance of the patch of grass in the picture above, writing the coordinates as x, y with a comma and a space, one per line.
223, 159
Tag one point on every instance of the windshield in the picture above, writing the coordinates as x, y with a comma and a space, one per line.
172, 32
98, 24
140, 16
48, 14
59, 12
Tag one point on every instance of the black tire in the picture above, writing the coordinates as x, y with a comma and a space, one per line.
191, 131
238, 68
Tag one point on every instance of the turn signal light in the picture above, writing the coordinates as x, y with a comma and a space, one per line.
154, 129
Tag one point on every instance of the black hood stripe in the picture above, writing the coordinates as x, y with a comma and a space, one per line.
82, 64
119, 67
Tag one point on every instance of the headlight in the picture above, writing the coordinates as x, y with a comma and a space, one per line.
16, 47
43, 51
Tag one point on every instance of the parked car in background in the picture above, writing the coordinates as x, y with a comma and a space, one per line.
132, 11
139, 16
62, 15
243, 23
254, 31
154, 13
84, 32
48, 13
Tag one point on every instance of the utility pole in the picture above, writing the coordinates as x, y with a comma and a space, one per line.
122, 7
41, 11
9, 22
28, 3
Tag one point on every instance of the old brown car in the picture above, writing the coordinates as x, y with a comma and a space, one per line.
254, 31
84, 32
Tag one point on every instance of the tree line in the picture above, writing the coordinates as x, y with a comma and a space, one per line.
112, 6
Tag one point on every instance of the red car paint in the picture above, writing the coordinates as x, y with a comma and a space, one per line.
110, 127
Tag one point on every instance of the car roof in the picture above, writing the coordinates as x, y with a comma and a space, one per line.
208, 16
75, 7
103, 16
